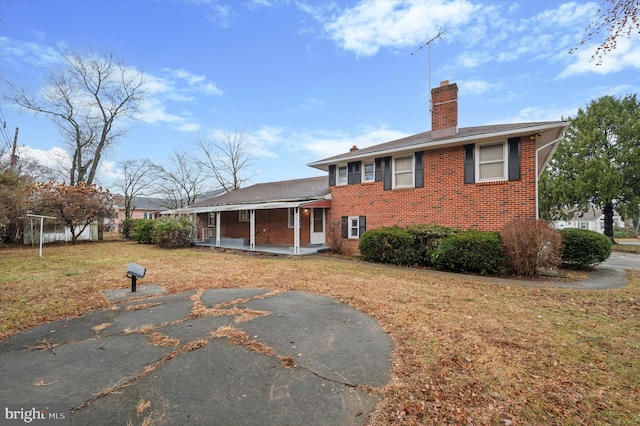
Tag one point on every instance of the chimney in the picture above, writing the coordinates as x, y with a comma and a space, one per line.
444, 114
353, 148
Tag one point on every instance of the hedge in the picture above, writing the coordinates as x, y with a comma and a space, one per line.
581, 247
471, 251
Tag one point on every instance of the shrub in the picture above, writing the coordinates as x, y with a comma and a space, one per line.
126, 228
334, 236
173, 232
623, 232
387, 245
530, 245
426, 239
581, 247
142, 230
470, 251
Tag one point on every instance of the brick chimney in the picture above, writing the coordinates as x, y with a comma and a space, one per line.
444, 114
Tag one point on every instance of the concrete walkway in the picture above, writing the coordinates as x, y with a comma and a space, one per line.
221, 357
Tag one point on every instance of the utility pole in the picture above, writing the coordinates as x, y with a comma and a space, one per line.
14, 156
441, 32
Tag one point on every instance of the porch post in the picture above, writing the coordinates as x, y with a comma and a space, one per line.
218, 229
296, 230
252, 237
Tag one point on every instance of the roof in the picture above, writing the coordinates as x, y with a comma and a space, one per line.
553, 130
281, 194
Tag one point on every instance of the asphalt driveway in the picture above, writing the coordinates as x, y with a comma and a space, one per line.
228, 357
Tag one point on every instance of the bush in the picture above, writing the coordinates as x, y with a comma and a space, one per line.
173, 232
623, 232
334, 237
530, 245
581, 247
387, 245
470, 251
142, 230
426, 239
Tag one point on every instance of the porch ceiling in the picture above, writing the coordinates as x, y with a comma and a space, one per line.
236, 207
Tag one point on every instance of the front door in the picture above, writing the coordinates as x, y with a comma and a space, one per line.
317, 226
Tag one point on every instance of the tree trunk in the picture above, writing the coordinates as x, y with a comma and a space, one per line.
608, 220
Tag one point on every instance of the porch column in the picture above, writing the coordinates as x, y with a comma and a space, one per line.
252, 237
218, 229
296, 230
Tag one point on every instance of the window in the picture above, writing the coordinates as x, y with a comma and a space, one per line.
342, 175
403, 172
368, 172
148, 215
491, 162
354, 227
243, 216
211, 219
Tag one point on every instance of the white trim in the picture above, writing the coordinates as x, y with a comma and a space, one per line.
505, 167
349, 228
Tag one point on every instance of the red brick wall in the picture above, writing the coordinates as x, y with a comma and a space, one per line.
445, 199
271, 227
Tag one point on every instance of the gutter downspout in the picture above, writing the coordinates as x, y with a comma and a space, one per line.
555, 141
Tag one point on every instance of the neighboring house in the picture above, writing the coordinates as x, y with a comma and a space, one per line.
468, 178
592, 220
143, 208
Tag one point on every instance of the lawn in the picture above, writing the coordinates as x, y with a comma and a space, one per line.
468, 351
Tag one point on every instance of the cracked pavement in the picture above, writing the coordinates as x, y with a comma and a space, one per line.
226, 356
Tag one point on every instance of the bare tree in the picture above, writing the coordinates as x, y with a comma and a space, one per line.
226, 158
182, 182
138, 176
86, 99
619, 18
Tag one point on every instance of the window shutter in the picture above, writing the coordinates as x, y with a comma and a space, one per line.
363, 225
469, 164
353, 172
387, 174
332, 175
514, 159
419, 183
345, 227
378, 168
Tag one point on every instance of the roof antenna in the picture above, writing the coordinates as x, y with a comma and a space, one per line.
441, 32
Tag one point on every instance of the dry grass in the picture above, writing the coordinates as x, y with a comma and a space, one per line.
467, 350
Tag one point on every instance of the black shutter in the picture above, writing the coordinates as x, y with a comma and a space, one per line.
345, 227
378, 165
469, 164
332, 175
354, 172
387, 174
514, 159
419, 183
363, 225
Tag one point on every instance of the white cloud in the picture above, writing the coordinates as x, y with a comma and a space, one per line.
626, 55
326, 144
475, 87
372, 25
55, 158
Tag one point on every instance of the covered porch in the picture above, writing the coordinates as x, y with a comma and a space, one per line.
285, 228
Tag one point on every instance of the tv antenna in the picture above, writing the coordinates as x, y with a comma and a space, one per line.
438, 36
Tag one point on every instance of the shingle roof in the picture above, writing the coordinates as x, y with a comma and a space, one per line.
425, 139
288, 190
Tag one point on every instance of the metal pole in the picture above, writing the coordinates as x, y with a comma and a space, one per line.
133, 283
41, 235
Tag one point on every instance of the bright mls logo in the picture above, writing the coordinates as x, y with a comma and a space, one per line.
38, 414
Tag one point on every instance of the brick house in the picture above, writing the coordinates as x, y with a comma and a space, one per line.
467, 178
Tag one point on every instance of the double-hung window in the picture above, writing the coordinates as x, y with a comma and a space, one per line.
243, 216
354, 227
403, 172
368, 172
492, 164
342, 175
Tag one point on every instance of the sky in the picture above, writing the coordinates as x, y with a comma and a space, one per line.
303, 80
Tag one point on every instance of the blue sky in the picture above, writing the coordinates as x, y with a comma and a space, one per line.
307, 79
